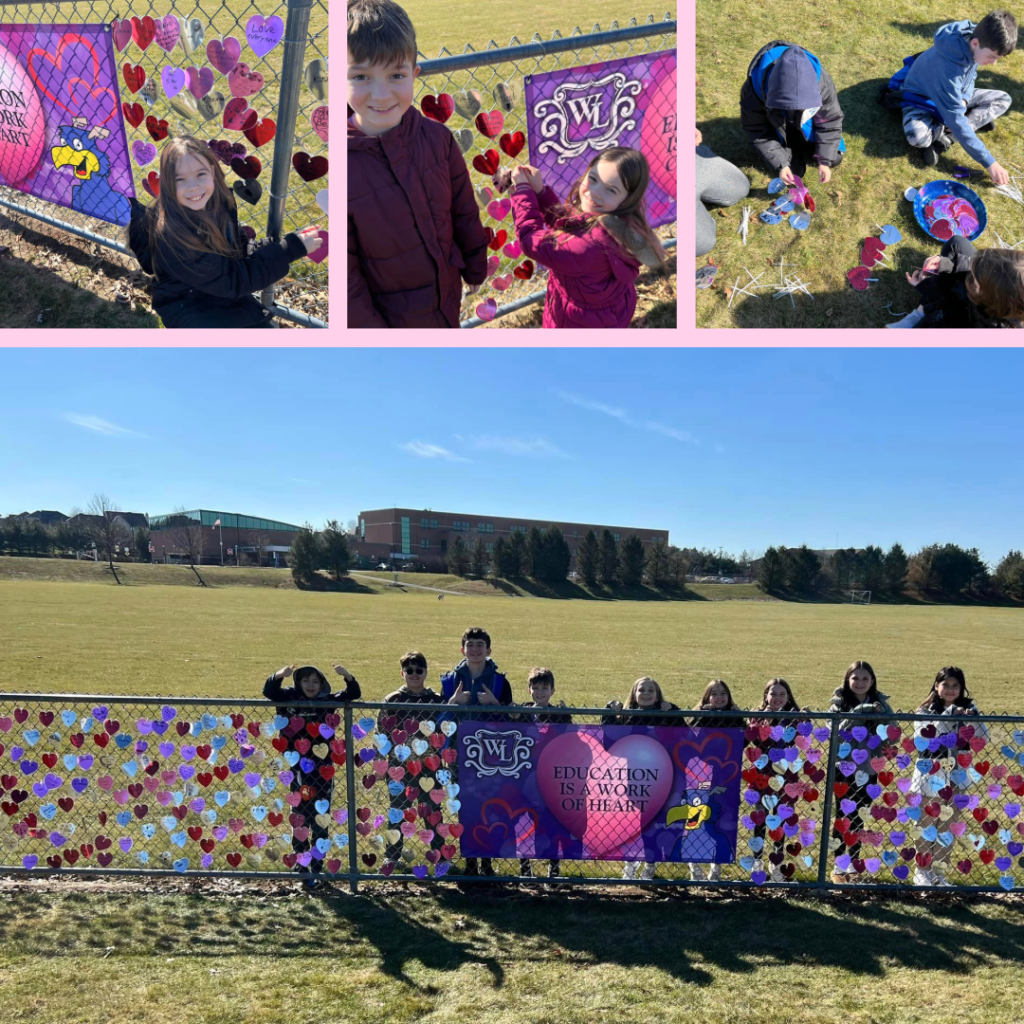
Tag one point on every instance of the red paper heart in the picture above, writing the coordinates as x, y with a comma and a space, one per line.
870, 253
512, 144
942, 229
490, 123
498, 240
262, 132
143, 31
859, 278
134, 77
248, 167
238, 116
132, 113
809, 203
438, 108
309, 168
525, 270
488, 163
151, 183
156, 128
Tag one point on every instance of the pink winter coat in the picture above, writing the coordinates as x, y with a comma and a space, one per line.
414, 230
590, 279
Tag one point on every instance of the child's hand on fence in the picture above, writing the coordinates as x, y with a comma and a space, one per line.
615, 705
284, 673
535, 178
310, 237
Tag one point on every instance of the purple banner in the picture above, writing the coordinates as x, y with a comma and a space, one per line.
62, 134
575, 113
591, 792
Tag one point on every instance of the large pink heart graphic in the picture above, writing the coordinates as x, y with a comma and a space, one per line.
627, 784
18, 161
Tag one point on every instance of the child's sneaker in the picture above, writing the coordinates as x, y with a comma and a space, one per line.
696, 873
525, 869
910, 320
932, 153
312, 883
647, 875
714, 873
554, 869
629, 871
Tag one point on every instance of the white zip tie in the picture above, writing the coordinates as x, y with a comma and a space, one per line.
733, 295
744, 224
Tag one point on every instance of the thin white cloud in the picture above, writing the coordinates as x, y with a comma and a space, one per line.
100, 426
623, 417
423, 450
535, 447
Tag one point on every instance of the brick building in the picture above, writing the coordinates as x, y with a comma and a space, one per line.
422, 536
245, 540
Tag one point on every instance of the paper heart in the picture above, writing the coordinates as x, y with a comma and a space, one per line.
767, 217
501, 283
143, 152
261, 132
890, 235
320, 254
209, 107
498, 239
172, 79
309, 168
487, 163
315, 77
250, 190
500, 208
192, 33
859, 278
143, 30
464, 139
149, 92
263, 34
942, 229
483, 196
321, 199
524, 271
132, 113
134, 77
223, 55
468, 103
505, 96
487, 310
438, 108
490, 124
167, 32
800, 221
200, 81
318, 119
512, 144
242, 81
238, 115
513, 250
121, 29
246, 167
492, 264
156, 128
226, 151
151, 183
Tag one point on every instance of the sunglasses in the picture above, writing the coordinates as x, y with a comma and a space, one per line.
415, 670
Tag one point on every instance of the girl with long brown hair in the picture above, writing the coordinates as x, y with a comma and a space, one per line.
191, 241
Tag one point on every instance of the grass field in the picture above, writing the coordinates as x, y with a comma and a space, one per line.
860, 49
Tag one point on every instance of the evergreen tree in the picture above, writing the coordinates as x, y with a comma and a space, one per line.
142, 552
769, 573
305, 556
801, 567
334, 549
556, 555
534, 560
632, 561
499, 558
1009, 575
609, 559
872, 569
896, 570
458, 557
516, 555
479, 558
588, 559
658, 562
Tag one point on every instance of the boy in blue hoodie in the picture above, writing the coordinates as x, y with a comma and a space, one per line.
476, 681
790, 111
940, 103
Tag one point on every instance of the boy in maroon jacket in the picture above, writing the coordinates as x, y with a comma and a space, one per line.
414, 230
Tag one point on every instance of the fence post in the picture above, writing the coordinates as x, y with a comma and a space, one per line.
826, 824
296, 33
350, 776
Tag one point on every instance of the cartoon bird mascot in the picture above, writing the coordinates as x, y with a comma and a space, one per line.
92, 193
698, 843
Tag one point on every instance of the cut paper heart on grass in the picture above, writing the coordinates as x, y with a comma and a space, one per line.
121, 30
487, 310
151, 183
248, 189
438, 108
223, 55
776, 185
512, 144
487, 163
890, 234
490, 123
263, 34
248, 167
859, 278
167, 32
143, 30
242, 81
468, 103
200, 81
706, 276
767, 217
318, 119
321, 199
143, 152
309, 168
783, 205
133, 113
173, 80
800, 221
320, 254
871, 252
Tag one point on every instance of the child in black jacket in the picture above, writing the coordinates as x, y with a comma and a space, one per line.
191, 241
314, 768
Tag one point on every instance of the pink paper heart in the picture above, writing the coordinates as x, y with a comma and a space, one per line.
492, 264
499, 209
501, 283
318, 119
859, 278
167, 32
238, 115
223, 56
487, 310
122, 32
513, 250
243, 82
319, 255
200, 81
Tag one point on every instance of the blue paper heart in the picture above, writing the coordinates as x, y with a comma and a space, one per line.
218, 742
179, 838
221, 797
68, 718
394, 788
123, 818
291, 758
123, 740
149, 830
48, 811
130, 769
181, 865
341, 840
31, 737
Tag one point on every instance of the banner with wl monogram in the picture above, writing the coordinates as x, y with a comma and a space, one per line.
599, 792
575, 113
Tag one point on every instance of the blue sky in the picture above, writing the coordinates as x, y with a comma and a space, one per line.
732, 448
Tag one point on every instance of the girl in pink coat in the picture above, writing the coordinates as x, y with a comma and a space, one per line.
593, 245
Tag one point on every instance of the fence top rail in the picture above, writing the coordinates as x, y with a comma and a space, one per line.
495, 54
465, 710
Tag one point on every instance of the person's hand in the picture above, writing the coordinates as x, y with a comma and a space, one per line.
931, 265
700, 138
310, 238
459, 696
562, 704
970, 711
531, 175
999, 174
284, 673
787, 176
472, 289
615, 705
824, 174
343, 672
665, 706
519, 175
916, 277
486, 697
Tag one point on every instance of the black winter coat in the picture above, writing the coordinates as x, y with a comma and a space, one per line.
626, 717
945, 300
762, 124
284, 695
210, 290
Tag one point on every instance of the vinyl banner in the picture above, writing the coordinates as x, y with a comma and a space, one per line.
61, 131
575, 113
591, 792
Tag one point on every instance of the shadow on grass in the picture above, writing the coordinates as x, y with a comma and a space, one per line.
567, 590
346, 585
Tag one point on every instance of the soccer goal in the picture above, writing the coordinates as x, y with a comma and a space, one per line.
858, 596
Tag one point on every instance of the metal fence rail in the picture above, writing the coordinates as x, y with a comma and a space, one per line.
284, 97
513, 64
209, 787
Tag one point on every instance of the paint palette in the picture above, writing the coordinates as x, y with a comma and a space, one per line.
948, 208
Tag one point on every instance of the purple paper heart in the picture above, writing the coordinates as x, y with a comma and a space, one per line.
144, 152
200, 81
100, 713
187, 752
961, 801
901, 871
235, 765
159, 728
805, 728
168, 714
747, 822
286, 777
896, 838
198, 805
58, 839
223, 56
125, 843
843, 862
873, 741
1004, 863
758, 877
40, 790
252, 778
847, 806
30, 860
207, 860
1014, 848
85, 761
263, 34
141, 747
186, 771
903, 762
79, 785
859, 756
442, 869
367, 754
144, 725
1012, 810
304, 858
860, 734
874, 791
847, 767
173, 80
166, 749
167, 32
28, 767
420, 871
790, 829
17, 753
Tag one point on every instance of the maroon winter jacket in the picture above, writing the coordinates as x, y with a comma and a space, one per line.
413, 226
591, 277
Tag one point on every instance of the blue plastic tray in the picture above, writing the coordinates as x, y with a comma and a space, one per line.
934, 189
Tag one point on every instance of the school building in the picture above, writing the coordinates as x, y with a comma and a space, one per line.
423, 536
225, 538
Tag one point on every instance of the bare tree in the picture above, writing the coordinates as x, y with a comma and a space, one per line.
109, 532
187, 537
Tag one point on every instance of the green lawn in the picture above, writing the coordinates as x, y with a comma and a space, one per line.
860, 49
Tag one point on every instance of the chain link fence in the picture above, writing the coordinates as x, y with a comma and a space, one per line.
293, 92
195, 786
499, 76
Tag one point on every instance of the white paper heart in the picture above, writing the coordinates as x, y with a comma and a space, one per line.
468, 103
150, 91
464, 138
210, 106
192, 33
185, 105
315, 77
321, 199
483, 196
505, 96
